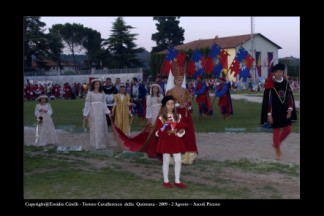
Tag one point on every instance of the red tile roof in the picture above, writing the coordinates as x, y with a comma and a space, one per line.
224, 42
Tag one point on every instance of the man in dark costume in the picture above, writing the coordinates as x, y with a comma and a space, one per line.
278, 107
110, 91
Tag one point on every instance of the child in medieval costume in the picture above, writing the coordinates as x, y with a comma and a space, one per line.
153, 103
45, 131
169, 130
278, 107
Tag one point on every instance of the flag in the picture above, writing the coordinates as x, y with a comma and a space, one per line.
216, 61
169, 57
269, 83
195, 65
258, 62
242, 64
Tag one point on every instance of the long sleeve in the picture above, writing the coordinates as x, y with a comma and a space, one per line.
86, 109
105, 108
159, 127
290, 101
269, 108
201, 90
148, 107
222, 92
49, 109
37, 111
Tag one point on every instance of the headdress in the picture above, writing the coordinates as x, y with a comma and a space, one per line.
278, 66
166, 99
42, 96
122, 85
95, 80
178, 69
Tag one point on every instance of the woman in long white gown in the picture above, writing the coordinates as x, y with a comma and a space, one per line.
94, 112
153, 103
46, 129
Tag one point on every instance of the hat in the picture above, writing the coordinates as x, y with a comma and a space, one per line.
278, 66
166, 99
42, 96
156, 85
178, 70
122, 85
95, 80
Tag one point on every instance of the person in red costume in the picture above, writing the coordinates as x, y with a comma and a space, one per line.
203, 99
225, 102
177, 88
170, 129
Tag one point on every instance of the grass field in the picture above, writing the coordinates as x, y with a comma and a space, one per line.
83, 175
68, 113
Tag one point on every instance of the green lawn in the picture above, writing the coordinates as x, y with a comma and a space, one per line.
68, 113
50, 175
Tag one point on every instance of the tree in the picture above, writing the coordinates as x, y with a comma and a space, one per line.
292, 65
122, 47
92, 43
169, 33
55, 46
34, 40
71, 34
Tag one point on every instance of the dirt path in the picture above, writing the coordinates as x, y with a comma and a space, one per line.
211, 146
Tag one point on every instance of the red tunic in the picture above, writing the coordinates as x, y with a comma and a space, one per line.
169, 143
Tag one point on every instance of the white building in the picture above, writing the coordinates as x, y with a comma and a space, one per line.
263, 47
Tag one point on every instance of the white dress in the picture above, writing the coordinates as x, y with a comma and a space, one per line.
153, 105
46, 130
95, 107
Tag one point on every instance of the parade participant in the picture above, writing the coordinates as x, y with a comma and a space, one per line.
278, 107
176, 88
161, 83
203, 99
138, 96
225, 102
169, 130
153, 103
46, 133
110, 91
94, 112
120, 110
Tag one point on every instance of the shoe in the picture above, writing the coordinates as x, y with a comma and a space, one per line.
167, 185
180, 185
